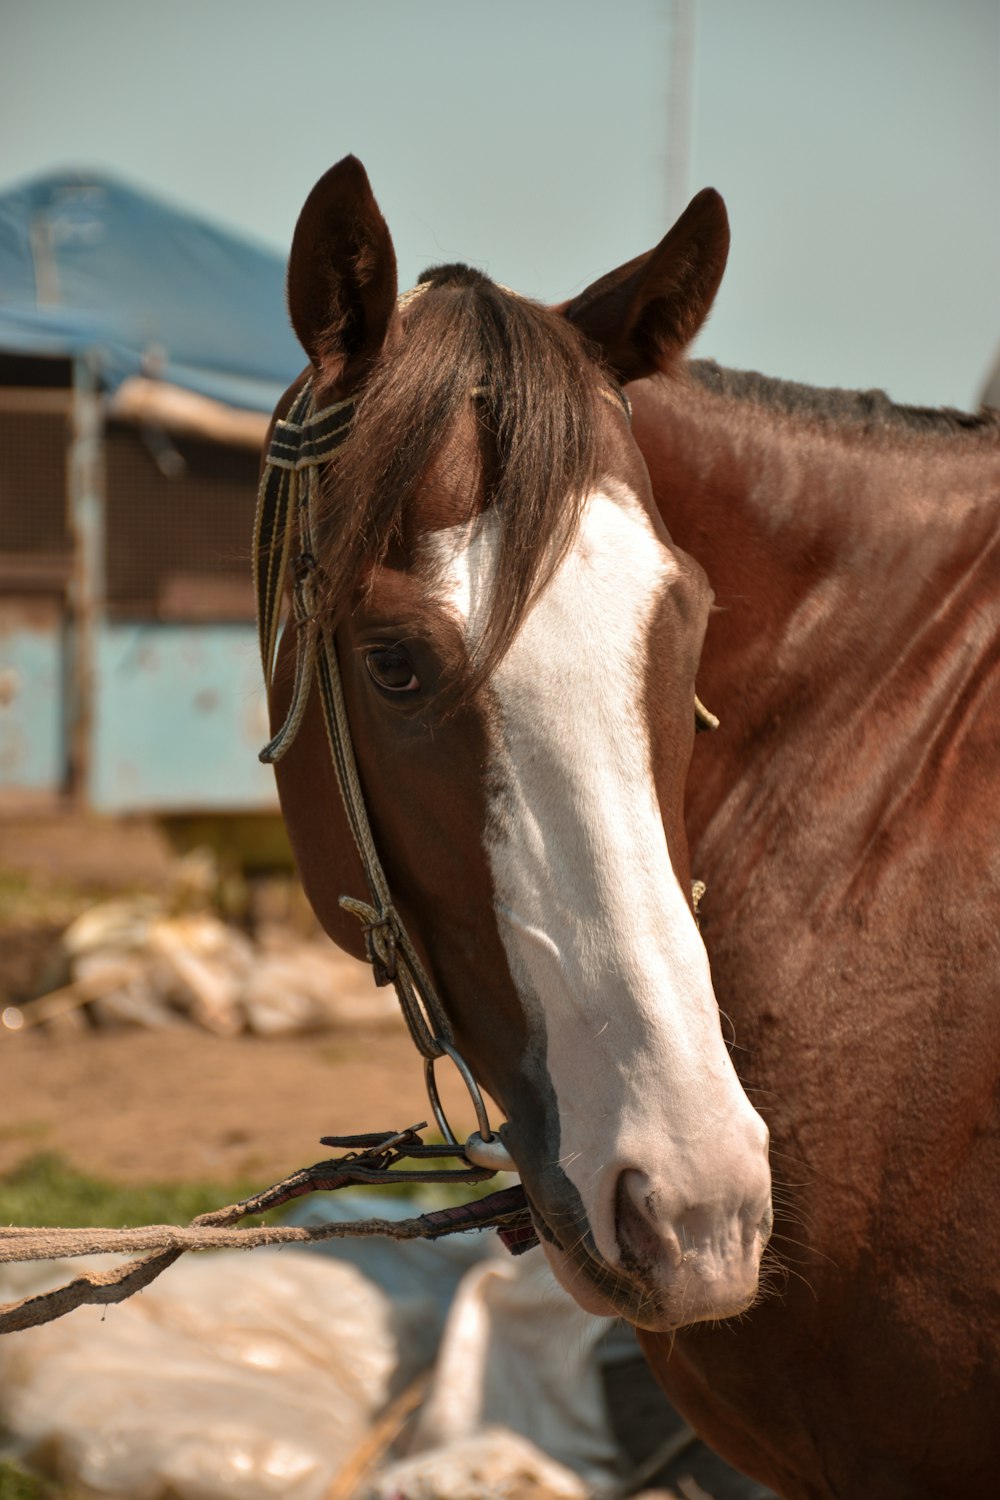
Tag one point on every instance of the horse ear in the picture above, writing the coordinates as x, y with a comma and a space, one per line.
342, 276
645, 314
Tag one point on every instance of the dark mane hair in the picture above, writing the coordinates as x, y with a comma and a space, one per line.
871, 411
535, 391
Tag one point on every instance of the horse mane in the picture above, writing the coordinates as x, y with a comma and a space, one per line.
871, 411
536, 395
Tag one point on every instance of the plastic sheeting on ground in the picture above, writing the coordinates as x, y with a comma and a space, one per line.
257, 1375
517, 1351
495, 1463
234, 1375
418, 1277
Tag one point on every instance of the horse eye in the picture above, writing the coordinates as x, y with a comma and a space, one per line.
392, 669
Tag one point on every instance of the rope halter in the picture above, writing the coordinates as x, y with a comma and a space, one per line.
300, 444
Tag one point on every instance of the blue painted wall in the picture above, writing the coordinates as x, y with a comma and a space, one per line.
32, 699
179, 718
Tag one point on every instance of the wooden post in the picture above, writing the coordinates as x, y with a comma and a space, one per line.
85, 476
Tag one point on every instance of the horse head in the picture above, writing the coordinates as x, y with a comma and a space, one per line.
518, 639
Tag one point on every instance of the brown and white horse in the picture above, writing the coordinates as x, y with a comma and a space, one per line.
518, 637
518, 640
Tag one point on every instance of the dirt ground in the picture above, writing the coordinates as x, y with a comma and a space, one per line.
173, 1104
180, 1105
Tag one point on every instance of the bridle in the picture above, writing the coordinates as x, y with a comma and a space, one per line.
301, 443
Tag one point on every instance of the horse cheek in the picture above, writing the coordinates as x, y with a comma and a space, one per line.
327, 861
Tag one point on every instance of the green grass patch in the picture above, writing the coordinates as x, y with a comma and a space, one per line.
16, 1485
47, 1192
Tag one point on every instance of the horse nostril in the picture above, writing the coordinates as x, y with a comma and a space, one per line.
640, 1244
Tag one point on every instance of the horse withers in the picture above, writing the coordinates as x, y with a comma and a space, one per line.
517, 638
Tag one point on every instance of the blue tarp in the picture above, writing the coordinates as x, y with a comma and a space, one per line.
90, 266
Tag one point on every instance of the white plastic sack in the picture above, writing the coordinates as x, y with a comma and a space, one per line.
496, 1464
419, 1277
232, 1375
519, 1353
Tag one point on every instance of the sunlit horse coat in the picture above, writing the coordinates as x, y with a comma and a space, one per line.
518, 636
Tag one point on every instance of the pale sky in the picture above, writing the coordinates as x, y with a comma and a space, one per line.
857, 145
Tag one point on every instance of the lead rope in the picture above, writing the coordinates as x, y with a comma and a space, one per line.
300, 444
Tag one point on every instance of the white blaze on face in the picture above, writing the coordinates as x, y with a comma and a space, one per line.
601, 943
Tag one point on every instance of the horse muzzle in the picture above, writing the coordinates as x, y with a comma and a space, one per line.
651, 1257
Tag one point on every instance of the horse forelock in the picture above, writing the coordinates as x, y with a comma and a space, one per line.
535, 395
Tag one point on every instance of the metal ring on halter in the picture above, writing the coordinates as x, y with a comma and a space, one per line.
470, 1084
489, 1151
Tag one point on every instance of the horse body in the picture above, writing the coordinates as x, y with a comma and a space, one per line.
846, 825
518, 620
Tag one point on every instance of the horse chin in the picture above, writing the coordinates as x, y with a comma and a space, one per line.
643, 1300
582, 1285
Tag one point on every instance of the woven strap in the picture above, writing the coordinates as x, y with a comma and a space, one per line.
300, 445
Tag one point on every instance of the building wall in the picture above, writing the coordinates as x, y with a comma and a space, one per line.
171, 715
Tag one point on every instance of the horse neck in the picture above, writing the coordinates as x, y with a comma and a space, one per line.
840, 556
